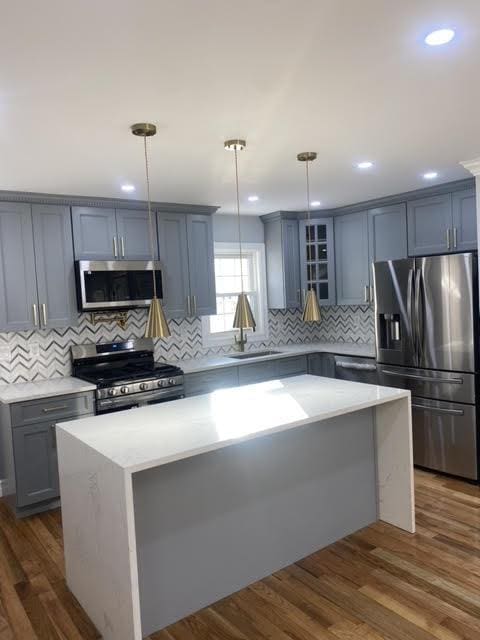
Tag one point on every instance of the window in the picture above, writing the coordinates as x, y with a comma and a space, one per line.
218, 330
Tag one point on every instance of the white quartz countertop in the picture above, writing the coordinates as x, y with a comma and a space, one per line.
155, 435
22, 391
285, 351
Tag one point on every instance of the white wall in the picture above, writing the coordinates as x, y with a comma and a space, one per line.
225, 228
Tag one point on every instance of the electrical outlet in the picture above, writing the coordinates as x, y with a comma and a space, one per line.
5, 353
34, 349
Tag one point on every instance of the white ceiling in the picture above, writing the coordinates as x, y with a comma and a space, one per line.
349, 79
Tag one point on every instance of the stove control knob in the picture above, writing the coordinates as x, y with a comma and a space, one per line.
123, 389
171, 381
112, 392
143, 386
160, 383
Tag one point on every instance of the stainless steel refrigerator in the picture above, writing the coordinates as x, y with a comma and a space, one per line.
426, 336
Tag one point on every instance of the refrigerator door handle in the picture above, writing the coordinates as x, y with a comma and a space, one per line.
409, 312
418, 323
413, 376
450, 412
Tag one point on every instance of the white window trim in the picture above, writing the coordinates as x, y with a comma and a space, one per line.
261, 334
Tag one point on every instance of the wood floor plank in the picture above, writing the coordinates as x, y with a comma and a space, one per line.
377, 584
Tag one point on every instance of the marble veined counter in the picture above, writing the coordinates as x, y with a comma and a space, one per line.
194, 365
169, 508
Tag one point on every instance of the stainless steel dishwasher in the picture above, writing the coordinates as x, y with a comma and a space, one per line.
356, 369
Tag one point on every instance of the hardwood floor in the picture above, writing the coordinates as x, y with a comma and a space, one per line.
378, 583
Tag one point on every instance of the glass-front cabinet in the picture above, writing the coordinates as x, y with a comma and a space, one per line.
317, 259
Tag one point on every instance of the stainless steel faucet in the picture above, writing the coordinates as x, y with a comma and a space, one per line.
242, 341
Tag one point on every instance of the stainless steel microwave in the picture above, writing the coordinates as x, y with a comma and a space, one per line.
115, 284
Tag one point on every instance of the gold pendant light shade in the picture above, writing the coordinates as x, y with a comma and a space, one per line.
243, 314
157, 325
311, 309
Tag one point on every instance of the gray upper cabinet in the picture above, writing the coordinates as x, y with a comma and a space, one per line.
352, 259
201, 264
172, 241
18, 287
282, 254
387, 231
317, 259
54, 266
94, 233
111, 234
188, 264
133, 231
464, 216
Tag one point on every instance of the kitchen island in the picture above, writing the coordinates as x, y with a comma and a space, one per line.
169, 508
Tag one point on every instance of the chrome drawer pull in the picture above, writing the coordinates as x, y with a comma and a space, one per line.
57, 408
450, 412
422, 378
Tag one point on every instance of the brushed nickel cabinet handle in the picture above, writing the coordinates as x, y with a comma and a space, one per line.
454, 237
372, 296
189, 306
54, 436
448, 239
122, 245
58, 407
44, 314
35, 314
115, 248
194, 305
366, 294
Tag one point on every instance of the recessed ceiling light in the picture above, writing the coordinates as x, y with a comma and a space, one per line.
439, 37
430, 175
365, 165
315, 203
252, 198
128, 188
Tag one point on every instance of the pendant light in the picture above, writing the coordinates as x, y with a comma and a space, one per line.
157, 325
311, 309
243, 313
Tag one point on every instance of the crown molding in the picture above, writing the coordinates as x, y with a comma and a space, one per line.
112, 203
472, 165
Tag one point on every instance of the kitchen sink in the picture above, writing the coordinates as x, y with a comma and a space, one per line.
254, 354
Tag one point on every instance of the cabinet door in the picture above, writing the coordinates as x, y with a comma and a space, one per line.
257, 372
291, 263
95, 234
317, 259
464, 209
18, 286
208, 381
201, 264
54, 265
172, 241
429, 220
352, 258
36, 471
133, 231
387, 230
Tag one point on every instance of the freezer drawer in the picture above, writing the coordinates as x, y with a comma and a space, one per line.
445, 437
438, 385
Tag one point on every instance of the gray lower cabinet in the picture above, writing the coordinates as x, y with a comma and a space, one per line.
442, 224
36, 470
282, 254
387, 233
37, 282
352, 259
321, 364
188, 264
112, 234
29, 448
208, 381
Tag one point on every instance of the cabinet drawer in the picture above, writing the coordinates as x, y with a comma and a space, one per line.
208, 381
55, 409
258, 372
291, 366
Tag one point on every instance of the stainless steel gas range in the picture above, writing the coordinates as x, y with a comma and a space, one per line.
126, 374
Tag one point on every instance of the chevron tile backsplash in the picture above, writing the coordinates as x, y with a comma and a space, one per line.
36, 355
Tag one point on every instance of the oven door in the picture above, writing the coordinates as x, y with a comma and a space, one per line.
110, 405
116, 284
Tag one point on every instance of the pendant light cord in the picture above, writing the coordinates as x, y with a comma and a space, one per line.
238, 218
150, 219
308, 192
